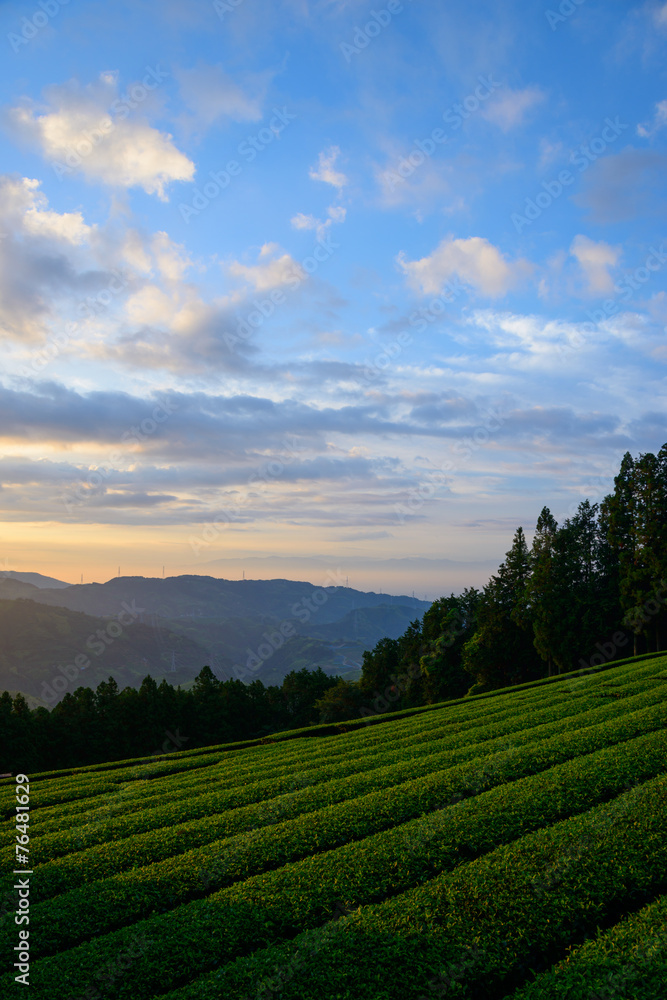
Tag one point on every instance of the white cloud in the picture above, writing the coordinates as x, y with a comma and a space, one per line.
336, 214
595, 259
475, 261
659, 121
68, 226
150, 306
23, 207
170, 258
76, 130
40, 258
276, 272
302, 221
510, 107
326, 171
134, 252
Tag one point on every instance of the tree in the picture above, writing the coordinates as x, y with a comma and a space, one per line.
340, 703
540, 602
301, 689
380, 663
636, 520
447, 625
501, 650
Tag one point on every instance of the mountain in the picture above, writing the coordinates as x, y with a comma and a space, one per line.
366, 625
36, 579
205, 596
9, 589
242, 628
46, 652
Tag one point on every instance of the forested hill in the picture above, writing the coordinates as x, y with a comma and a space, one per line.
245, 630
46, 652
590, 590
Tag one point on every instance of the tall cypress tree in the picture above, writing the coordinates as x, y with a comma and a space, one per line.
636, 517
541, 599
501, 651
619, 512
447, 626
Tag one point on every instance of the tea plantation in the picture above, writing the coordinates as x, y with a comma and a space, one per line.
507, 845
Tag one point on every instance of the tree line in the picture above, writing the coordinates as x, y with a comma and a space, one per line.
590, 590
89, 727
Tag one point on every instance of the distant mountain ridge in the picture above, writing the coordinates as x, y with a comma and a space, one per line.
207, 596
35, 579
249, 629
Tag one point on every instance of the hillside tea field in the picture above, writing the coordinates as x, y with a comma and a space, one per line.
512, 845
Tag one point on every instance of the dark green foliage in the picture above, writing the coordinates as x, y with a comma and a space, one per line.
501, 651
470, 864
635, 516
575, 599
630, 959
107, 724
583, 592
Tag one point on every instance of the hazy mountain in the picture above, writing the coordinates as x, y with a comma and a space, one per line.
366, 625
36, 579
9, 589
46, 651
242, 628
208, 597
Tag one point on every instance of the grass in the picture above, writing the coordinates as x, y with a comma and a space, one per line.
497, 847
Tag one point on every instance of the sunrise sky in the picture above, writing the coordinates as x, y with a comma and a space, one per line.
293, 287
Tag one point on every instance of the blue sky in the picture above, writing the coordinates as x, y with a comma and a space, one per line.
306, 287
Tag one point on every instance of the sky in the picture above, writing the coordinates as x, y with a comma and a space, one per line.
309, 287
